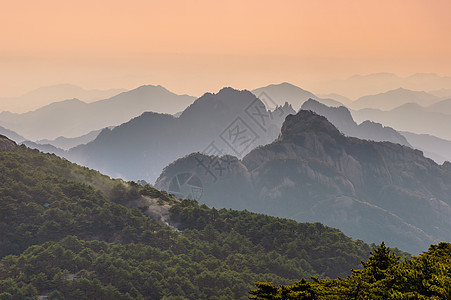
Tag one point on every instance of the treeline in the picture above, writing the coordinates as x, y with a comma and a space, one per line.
66, 232
383, 276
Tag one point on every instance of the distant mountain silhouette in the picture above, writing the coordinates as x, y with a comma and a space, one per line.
442, 93
73, 118
443, 106
48, 94
433, 147
45, 148
68, 143
372, 191
394, 98
12, 135
229, 122
361, 85
409, 117
337, 97
278, 94
342, 119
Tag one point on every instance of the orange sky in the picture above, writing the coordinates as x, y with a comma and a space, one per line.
197, 46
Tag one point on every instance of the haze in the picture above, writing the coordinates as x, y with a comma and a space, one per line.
197, 46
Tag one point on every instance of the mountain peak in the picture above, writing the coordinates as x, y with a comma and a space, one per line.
6, 144
306, 122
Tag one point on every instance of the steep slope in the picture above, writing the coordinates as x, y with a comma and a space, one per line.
229, 122
6, 144
342, 119
278, 94
73, 118
78, 235
394, 98
371, 190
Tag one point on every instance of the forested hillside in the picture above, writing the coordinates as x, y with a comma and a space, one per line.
73, 233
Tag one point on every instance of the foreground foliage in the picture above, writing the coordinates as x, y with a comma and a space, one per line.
383, 276
69, 232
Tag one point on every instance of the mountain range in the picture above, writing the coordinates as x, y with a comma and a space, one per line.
433, 147
277, 94
68, 232
49, 94
64, 143
394, 98
229, 122
372, 191
411, 117
341, 118
73, 117
357, 86
12, 135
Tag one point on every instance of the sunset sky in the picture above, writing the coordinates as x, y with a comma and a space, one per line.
198, 46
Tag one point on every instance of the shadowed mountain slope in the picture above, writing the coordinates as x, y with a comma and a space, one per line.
371, 190
213, 124
342, 119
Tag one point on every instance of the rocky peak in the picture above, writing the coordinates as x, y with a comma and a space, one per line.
6, 144
304, 123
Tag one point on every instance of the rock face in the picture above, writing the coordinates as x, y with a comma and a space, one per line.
6, 144
374, 191
341, 117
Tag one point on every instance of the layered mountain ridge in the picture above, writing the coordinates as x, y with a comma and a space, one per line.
73, 118
142, 147
370, 190
341, 117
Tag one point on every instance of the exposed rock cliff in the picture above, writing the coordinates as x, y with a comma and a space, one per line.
6, 144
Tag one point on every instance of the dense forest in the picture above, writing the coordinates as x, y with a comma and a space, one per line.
383, 276
72, 233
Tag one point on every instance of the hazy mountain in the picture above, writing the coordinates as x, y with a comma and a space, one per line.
48, 94
371, 190
443, 106
442, 93
67, 143
278, 94
12, 135
360, 85
394, 98
229, 122
409, 117
73, 118
342, 119
45, 148
337, 97
433, 147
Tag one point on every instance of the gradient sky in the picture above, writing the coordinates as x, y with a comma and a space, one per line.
197, 46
